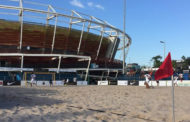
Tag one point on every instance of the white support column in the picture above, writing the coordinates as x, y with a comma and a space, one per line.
89, 25
52, 9
70, 24
47, 20
102, 75
126, 52
20, 11
54, 33
115, 42
81, 38
102, 35
108, 74
116, 74
87, 70
22, 61
21, 22
111, 32
74, 12
59, 64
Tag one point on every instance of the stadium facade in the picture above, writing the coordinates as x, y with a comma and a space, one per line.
36, 37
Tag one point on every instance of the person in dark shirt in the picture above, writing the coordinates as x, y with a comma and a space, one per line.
50, 82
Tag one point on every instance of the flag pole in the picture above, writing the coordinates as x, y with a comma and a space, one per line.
173, 102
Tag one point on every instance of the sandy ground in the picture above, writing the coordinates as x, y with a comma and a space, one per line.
93, 103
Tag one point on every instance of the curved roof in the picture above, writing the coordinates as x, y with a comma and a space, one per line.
73, 18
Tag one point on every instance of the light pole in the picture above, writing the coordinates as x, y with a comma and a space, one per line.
124, 16
164, 47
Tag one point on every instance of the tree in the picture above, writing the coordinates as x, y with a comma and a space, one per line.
183, 58
174, 64
186, 62
156, 61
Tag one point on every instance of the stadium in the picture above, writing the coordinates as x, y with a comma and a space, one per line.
55, 43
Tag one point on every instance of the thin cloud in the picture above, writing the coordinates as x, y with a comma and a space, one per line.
99, 7
92, 5
77, 3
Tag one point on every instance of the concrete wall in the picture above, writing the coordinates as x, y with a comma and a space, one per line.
166, 83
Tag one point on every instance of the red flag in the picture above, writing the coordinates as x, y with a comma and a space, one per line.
165, 69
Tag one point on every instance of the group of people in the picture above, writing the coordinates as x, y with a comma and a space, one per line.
33, 81
148, 78
66, 81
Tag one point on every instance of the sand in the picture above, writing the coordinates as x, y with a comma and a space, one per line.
93, 104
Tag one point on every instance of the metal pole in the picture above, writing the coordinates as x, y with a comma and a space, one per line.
102, 35
102, 75
173, 102
116, 74
70, 24
47, 20
108, 74
54, 33
164, 50
20, 11
124, 15
89, 24
59, 64
81, 37
87, 70
115, 42
22, 60
21, 23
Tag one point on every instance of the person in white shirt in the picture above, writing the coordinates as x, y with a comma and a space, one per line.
67, 81
33, 77
175, 80
147, 80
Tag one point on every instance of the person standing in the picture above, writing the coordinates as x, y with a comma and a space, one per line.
157, 82
63, 82
181, 77
67, 81
33, 77
75, 80
147, 80
50, 82
175, 80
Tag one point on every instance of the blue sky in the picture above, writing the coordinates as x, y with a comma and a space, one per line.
147, 22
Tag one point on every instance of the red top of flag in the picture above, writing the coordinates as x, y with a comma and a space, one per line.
165, 69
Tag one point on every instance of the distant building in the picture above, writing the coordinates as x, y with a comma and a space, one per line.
179, 65
149, 69
133, 67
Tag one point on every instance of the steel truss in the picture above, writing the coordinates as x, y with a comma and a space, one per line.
74, 18
48, 55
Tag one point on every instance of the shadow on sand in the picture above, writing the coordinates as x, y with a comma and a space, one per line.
11, 97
